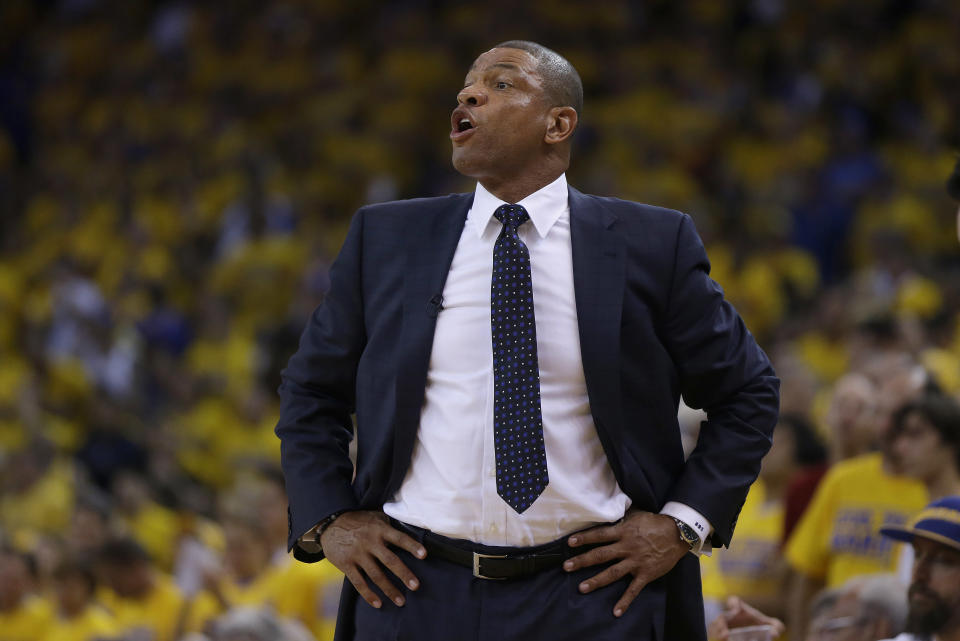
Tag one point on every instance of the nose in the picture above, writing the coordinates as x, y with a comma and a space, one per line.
472, 96
898, 446
921, 570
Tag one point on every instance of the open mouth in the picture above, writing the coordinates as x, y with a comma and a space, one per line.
461, 125
462, 129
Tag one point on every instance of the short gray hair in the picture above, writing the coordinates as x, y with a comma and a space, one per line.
881, 597
823, 601
253, 624
560, 79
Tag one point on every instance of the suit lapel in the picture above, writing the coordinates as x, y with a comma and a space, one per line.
431, 240
599, 273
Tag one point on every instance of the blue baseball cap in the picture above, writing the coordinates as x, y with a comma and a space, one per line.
939, 521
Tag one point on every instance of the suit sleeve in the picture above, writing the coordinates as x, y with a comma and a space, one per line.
724, 372
317, 398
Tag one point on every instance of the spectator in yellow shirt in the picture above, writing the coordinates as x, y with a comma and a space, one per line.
837, 537
925, 443
79, 618
143, 600
90, 521
753, 567
255, 577
23, 616
852, 417
241, 579
153, 525
248, 577
313, 589
36, 493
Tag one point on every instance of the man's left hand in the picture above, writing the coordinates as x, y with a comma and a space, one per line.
643, 544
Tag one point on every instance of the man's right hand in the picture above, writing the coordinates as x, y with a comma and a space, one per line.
357, 543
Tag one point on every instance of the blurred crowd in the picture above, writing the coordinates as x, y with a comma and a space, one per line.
176, 177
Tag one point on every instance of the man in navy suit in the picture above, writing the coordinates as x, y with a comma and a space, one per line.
577, 320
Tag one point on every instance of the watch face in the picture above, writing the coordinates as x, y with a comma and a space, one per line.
687, 533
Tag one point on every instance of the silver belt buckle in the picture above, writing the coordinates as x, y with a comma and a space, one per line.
476, 565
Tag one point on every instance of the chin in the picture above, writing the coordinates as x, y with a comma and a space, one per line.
464, 164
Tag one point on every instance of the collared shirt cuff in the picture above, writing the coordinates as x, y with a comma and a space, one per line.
695, 520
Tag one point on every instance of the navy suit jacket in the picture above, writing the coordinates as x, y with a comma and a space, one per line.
653, 326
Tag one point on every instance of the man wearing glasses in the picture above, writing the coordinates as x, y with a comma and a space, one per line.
934, 593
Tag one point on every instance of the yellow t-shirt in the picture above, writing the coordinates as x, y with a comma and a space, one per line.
293, 590
157, 529
317, 588
93, 623
28, 622
749, 567
714, 587
159, 612
44, 507
838, 536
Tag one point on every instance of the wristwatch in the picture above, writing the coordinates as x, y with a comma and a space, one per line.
687, 534
313, 534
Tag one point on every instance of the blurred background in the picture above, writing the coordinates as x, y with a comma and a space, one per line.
176, 177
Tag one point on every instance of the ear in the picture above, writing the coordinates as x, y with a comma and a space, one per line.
561, 121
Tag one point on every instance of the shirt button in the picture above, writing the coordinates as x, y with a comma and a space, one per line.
492, 472
493, 527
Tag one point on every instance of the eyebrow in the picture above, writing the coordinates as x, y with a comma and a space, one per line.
504, 65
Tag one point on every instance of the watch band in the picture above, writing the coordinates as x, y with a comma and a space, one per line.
317, 530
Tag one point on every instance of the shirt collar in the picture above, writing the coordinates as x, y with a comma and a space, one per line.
545, 207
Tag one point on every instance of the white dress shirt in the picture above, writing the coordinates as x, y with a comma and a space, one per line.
450, 487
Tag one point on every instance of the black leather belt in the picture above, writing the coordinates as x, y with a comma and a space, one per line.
495, 566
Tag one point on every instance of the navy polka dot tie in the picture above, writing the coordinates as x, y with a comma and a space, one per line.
517, 421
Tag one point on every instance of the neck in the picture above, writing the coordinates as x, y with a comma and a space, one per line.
515, 188
944, 484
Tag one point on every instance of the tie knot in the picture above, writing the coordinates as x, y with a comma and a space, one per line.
511, 215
